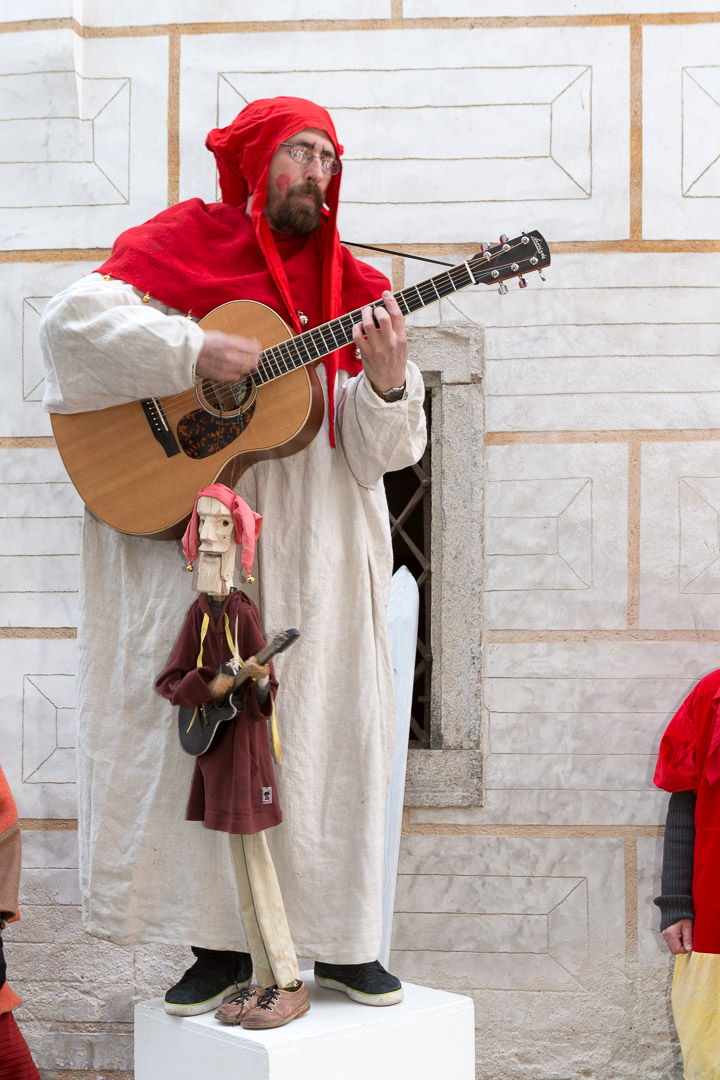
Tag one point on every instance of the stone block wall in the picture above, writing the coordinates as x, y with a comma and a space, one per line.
576, 459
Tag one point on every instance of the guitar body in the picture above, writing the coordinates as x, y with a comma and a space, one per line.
145, 485
138, 467
203, 727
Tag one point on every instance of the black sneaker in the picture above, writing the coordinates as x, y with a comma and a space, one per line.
370, 984
214, 977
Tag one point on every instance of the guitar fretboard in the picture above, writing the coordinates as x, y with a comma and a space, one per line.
321, 340
508, 259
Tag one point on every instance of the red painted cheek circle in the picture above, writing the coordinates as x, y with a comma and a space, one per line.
282, 182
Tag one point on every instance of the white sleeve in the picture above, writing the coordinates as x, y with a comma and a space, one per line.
103, 346
378, 436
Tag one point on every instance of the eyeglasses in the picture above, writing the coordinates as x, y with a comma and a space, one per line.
304, 155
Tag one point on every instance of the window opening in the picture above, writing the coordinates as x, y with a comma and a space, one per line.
409, 498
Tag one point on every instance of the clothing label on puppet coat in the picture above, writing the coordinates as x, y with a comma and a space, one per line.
266, 794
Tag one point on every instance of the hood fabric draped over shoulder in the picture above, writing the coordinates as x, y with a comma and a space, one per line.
244, 150
195, 256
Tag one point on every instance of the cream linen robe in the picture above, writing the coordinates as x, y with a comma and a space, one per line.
323, 564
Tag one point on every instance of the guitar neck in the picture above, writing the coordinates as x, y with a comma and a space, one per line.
278, 644
510, 259
265, 654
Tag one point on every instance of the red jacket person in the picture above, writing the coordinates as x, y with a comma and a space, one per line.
15, 1060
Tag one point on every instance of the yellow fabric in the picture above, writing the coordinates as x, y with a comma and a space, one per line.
275, 733
233, 644
203, 632
696, 1008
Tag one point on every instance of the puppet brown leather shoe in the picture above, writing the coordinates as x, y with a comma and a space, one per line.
234, 1010
276, 1007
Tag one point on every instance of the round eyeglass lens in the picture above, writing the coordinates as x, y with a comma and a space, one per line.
303, 155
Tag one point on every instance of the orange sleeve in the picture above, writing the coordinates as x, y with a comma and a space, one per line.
10, 851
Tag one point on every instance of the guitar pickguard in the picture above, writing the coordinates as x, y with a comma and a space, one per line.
201, 434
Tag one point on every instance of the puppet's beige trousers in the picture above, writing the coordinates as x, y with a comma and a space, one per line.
271, 947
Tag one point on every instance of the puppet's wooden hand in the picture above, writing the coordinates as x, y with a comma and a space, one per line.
253, 670
220, 685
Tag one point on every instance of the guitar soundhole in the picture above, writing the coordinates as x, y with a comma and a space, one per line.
202, 434
225, 399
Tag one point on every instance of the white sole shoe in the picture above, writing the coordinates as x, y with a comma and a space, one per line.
393, 997
195, 1008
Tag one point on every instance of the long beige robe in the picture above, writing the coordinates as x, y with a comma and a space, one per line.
323, 564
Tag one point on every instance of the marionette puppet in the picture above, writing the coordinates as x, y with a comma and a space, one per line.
233, 787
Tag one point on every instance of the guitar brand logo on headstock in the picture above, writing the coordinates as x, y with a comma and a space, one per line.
538, 247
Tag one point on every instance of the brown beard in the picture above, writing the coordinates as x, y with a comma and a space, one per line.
288, 215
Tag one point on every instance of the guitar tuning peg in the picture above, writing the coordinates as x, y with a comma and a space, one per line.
522, 283
502, 288
542, 276
503, 238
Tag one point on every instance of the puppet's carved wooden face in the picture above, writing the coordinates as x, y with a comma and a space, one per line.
216, 553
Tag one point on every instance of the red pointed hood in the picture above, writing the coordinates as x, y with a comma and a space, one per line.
195, 256
243, 151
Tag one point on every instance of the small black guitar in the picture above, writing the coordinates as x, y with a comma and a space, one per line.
203, 725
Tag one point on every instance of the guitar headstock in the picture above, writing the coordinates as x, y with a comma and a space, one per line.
510, 258
284, 640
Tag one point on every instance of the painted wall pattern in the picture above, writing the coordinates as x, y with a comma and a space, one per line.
600, 469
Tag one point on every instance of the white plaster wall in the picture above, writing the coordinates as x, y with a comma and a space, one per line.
600, 473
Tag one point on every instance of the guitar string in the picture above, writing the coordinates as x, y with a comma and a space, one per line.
275, 359
278, 359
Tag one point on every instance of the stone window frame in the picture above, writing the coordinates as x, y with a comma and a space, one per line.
449, 772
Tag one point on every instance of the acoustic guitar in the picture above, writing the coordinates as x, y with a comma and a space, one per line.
139, 466
204, 725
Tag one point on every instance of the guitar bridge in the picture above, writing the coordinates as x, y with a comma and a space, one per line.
159, 426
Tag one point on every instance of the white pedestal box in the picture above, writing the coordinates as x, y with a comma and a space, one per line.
430, 1034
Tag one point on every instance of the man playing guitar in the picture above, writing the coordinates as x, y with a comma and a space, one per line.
324, 563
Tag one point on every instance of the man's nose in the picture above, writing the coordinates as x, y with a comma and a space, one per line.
314, 170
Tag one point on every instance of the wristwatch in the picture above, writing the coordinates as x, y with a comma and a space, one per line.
395, 393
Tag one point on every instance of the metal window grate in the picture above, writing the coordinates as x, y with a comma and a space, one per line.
408, 496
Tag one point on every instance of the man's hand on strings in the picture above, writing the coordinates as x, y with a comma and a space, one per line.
383, 347
227, 357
